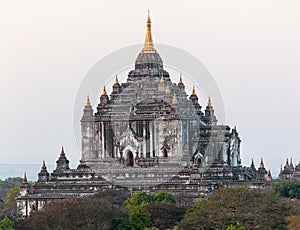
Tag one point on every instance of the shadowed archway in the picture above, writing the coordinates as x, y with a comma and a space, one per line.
129, 159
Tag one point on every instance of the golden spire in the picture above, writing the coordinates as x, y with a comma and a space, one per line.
116, 80
87, 103
180, 80
209, 102
104, 91
161, 79
174, 100
193, 91
167, 90
148, 44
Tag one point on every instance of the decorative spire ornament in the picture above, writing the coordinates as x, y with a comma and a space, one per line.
180, 79
87, 103
148, 44
193, 91
116, 80
104, 93
161, 79
174, 100
167, 90
209, 102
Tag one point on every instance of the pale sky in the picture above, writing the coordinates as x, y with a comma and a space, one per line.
251, 48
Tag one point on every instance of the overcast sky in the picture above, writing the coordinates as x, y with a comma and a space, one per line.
251, 48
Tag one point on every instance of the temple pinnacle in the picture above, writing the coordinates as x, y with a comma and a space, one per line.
25, 178
209, 102
104, 91
180, 80
87, 103
116, 80
148, 44
193, 91
167, 90
161, 79
174, 100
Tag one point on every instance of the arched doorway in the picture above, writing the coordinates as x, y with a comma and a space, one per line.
129, 158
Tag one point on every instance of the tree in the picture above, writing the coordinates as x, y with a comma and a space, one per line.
138, 199
7, 184
240, 207
139, 218
163, 196
6, 224
164, 215
99, 212
10, 200
288, 189
153, 210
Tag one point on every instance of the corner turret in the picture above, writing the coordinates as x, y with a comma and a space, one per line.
24, 187
62, 163
209, 116
43, 175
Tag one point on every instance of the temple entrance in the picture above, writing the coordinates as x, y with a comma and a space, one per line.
129, 159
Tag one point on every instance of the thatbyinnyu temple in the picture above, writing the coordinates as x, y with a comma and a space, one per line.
147, 134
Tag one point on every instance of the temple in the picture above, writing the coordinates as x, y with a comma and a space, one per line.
148, 134
290, 171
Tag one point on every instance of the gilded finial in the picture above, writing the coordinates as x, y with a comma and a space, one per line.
87, 103
209, 102
174, 100
116, 80
148, 44
161, 79
180, 80
104, 93
193, 91
167, 90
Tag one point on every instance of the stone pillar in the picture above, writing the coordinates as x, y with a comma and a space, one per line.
144, 139
103, 140
152, 139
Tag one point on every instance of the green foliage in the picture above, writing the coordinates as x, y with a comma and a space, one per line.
139, 218
6, 224
138, 199
120, 224
164, 215
153, 210
200, 203
10, 200
142, 198
232, 227
288, 189
7, 184
163, 196
98, 212
239, 206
